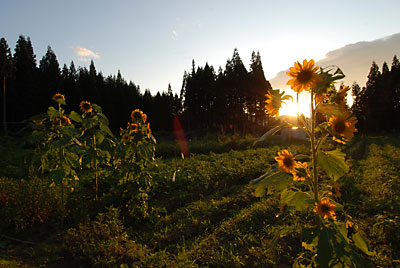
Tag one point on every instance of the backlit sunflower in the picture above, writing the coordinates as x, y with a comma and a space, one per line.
148, 129
325, 209
319, 98
273, 103
286, 161
86, 107
137, 114
301, 176
126, 137
304, 76
65, 121
340, 99
58, 96
133, 127
343, 126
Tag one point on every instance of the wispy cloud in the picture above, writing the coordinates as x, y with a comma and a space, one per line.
174, 35
85, 54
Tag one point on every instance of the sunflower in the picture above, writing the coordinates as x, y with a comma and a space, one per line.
148, 129
65, 121
86, 107
126, 137
304, 76
319, 98
58, 96
343, 92
273, 103
133, 127
301, 176
325, 209
343, 126
340, 98
286, 161
138, 114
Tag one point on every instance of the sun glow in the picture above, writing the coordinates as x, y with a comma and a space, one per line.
293, 108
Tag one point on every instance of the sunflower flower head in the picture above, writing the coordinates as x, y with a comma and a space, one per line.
340, 98
126, 137
59, 98
274, 101
304, 76
65, 121
325, 209
286, 161
319, 98
301, 173
343, 127
133, 127
86, 107
137, 115
148, 130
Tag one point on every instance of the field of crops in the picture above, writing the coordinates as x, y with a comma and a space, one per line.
200, 212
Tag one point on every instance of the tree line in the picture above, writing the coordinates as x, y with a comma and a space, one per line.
228, 100
377, 104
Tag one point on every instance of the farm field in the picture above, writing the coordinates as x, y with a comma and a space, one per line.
200, 212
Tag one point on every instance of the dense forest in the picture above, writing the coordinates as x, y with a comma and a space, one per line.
230, 99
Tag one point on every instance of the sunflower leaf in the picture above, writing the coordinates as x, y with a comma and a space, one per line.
329, 109
333, 163
270, 182
270, 133
75, 117
299, 201
361, 243
99, 137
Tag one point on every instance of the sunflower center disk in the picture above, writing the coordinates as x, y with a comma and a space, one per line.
325, 209
304, 76
339, 127
288, 162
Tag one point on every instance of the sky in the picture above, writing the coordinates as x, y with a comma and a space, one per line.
152, 42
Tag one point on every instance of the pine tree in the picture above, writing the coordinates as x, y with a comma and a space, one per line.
50, 80
259, 87
6, 70
25, 86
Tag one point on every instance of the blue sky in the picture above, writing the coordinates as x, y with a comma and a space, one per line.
154, 42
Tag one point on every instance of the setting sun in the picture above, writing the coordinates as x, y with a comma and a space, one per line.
292, 108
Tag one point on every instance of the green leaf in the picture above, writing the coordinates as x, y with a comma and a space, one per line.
270, 133
333, 163
256, 181
299, 201
106, 129
329, 109
71, 131
99, 137
52, 112
302, 157
74, 116
271, 182
361, 242
96, 108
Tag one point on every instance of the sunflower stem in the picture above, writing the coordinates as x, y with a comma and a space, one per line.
313, 158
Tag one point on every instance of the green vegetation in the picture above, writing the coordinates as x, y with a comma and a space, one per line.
201, 212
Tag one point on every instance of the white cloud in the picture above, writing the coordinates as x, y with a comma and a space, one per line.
85, 54
174, 35
354, 59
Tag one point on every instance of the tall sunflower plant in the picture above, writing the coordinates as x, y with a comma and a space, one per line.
308, 183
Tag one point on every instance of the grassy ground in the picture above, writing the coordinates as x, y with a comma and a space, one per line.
205, 215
